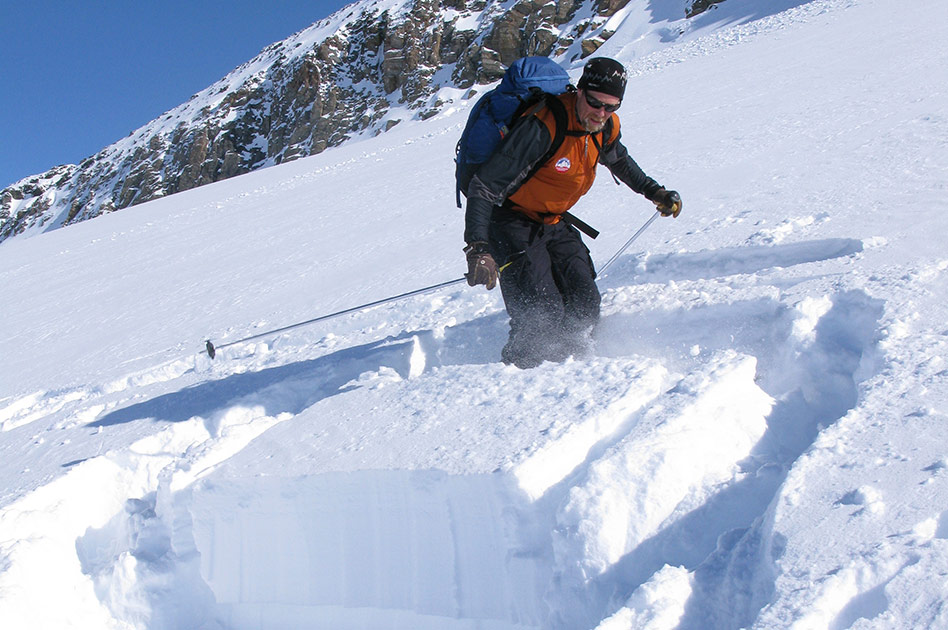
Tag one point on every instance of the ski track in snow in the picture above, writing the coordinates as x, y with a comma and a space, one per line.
530, 538
745, 391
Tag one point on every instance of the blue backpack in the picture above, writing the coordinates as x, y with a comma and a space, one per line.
527, 82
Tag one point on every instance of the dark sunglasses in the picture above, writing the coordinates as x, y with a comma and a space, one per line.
595, 103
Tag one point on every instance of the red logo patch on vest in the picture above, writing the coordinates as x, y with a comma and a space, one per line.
562, 165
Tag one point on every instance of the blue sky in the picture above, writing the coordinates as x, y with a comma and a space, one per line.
77, 75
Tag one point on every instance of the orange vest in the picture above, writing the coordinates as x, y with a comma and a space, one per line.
568, 175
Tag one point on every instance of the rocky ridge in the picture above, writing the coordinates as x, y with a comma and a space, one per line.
360, 71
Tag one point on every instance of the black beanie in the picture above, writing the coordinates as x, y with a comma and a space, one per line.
605, 75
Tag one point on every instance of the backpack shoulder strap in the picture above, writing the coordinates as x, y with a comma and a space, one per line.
605, 144
605, 133
560, 125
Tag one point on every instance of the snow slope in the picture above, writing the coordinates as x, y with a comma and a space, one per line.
759, 440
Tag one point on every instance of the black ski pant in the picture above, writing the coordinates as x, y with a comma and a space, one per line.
549, 287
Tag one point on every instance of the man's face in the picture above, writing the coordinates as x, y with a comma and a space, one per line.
590, 117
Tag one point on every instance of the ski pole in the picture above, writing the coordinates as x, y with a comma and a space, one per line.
212, 350
627, 243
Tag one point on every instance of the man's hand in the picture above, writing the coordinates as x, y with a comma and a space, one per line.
668, 202
481, 268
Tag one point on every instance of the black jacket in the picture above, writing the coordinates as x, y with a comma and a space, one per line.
507, 169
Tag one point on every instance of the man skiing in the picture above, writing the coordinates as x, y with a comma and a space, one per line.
514, 220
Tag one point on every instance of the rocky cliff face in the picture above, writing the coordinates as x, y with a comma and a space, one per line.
360, 71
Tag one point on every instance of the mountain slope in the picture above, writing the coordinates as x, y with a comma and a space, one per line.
355, 74
358, 72
758, 441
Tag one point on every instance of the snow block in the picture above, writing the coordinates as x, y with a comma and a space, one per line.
321, 551
677, 457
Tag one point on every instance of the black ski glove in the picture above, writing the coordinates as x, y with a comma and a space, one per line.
668, 202
481, 268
